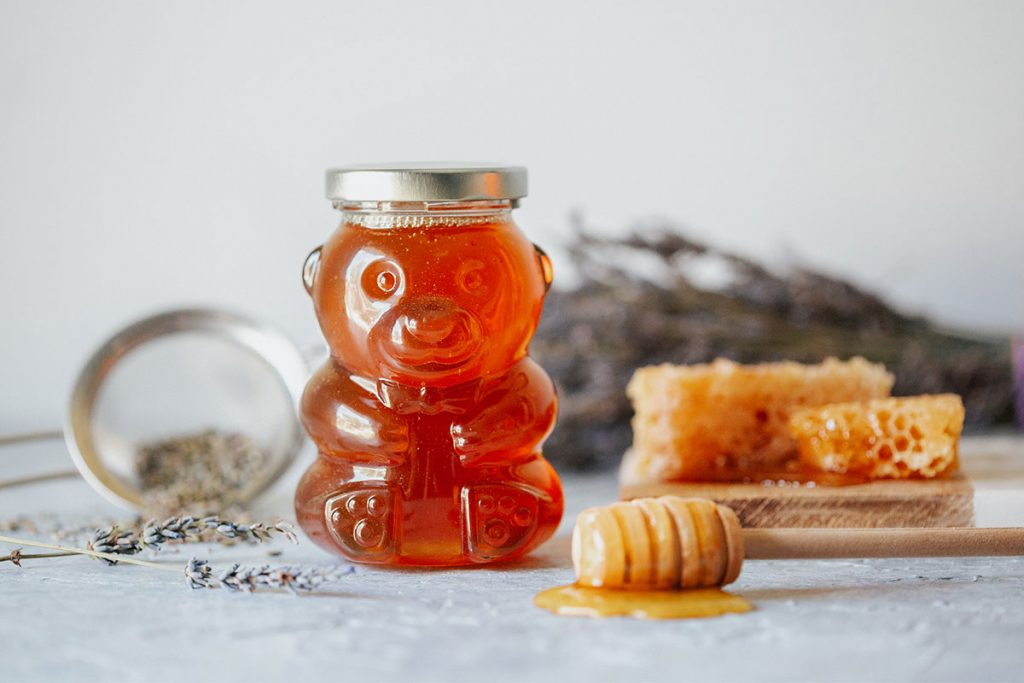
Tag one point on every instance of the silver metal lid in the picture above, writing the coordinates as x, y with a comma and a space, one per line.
426, 182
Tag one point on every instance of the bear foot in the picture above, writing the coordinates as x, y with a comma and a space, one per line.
361, 520
499, 519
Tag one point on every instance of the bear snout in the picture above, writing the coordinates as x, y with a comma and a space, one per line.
431, 327
428, 335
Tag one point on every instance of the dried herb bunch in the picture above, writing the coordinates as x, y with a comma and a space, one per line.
618, 318
198, 472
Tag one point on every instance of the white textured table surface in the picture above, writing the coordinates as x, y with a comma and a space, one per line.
73, 619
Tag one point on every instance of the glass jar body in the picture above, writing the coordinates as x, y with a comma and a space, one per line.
429, 415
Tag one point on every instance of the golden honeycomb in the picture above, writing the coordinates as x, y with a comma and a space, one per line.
895, 438
724, 420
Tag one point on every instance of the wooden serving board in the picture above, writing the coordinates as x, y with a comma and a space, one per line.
942, 503
988, 492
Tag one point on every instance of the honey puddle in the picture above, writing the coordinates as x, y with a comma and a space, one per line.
575, 600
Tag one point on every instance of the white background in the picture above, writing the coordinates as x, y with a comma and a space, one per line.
154, 154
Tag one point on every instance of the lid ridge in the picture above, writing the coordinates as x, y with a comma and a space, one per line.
426, 181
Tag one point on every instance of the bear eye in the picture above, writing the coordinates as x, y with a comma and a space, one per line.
381, 279
471, 276
387, 281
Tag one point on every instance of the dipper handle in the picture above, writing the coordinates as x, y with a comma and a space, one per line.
671, 542
780, 544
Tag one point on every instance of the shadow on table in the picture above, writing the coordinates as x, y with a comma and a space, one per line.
908, 584
757, 594
553, 554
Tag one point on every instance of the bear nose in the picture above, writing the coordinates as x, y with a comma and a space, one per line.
431, 326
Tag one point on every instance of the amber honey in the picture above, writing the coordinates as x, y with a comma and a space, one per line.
576, 600
429, 415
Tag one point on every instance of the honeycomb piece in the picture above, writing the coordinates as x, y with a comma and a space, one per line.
895, 438
657, 543
723, 420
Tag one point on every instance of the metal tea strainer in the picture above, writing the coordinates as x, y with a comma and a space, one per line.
184, 372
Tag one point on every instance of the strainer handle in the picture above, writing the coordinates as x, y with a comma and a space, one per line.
26, 437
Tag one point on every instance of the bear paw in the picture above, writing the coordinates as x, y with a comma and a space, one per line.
361, 520
499, 519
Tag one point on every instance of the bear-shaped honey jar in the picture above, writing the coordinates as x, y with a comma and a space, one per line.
429, 414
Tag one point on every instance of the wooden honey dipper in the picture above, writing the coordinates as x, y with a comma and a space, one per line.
672, 542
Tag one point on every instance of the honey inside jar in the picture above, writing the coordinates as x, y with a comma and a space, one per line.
429, 415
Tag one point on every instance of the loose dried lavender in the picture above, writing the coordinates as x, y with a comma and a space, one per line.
206, 471
592, 337
20, 523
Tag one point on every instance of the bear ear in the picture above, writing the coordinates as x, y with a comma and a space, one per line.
545, 267
310, 269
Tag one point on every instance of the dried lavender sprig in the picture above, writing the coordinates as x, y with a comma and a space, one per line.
183, 529
259, 532
191, 529
293, 578
198, 574
16, 556
110, 558
114, 540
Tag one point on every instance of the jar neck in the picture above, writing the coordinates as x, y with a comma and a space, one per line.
389, 214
